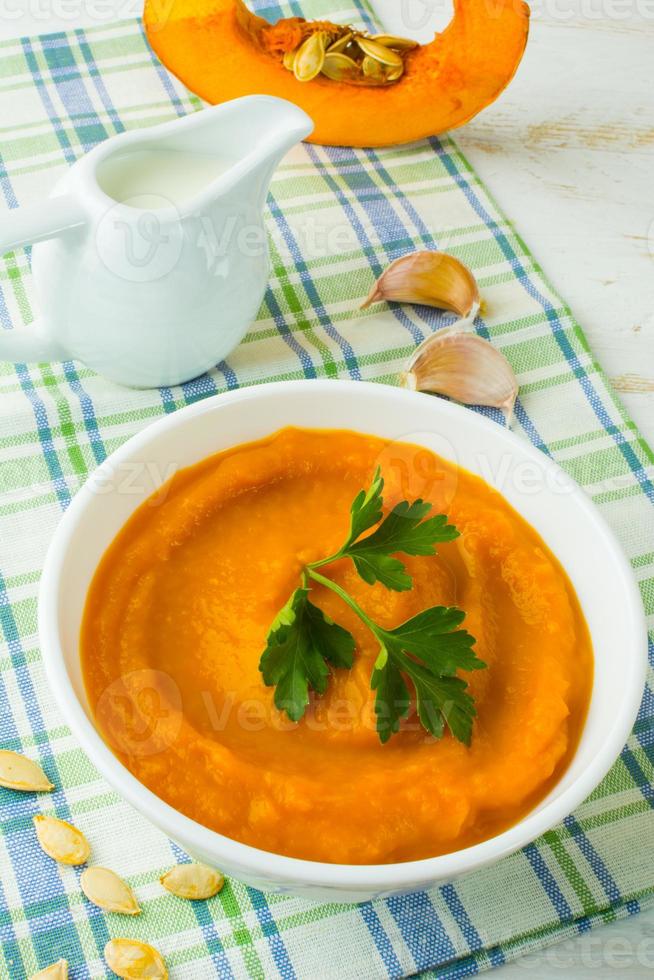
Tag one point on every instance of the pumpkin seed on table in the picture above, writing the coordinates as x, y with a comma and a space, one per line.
193, 881
57, 971
132, 960
309, 57
108, 891
23, 774
60, 840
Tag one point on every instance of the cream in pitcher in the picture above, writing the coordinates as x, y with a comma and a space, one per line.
152, 258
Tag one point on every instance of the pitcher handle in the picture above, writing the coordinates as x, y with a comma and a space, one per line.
26, 226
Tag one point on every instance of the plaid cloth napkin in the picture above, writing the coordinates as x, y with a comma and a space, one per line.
59, 96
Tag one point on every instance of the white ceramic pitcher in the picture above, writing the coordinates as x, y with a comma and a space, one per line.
155, 289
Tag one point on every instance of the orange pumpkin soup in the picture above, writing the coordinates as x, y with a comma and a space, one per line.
177, 617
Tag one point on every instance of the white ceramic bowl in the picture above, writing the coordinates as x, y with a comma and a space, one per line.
534, 485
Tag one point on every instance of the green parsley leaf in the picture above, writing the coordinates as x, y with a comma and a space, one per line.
432, 636
392, 701
441, 697
403, 530
301, 643
418, 658
444, 699
366, 509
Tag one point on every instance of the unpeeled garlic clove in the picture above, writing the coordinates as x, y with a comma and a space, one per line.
430, 278
464, 367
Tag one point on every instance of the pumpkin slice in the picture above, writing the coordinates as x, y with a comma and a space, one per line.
220, 50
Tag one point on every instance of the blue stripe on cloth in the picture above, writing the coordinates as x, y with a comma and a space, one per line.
546, 879
231, 379
594, 860
422, 930
164, 76
558, 329
637, 774
10, 804
8, 938
288, 336
77, 103
37, 404
89, 135
530, 429
336, 153
88, 412
433, 317
199, 388
45, 436
272, 934
311, 290
36, 887
166, 394
381, 940
412, 213
207, 925
461, 917
5, 183
98, 81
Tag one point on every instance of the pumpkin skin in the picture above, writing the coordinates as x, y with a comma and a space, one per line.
221, 51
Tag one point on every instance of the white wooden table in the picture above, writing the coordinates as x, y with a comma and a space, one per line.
568, 151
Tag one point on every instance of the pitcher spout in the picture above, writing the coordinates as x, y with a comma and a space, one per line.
277, 125
264, 128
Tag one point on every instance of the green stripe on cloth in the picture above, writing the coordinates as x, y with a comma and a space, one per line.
335, 217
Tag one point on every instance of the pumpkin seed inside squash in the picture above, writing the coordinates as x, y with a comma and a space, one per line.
340, 43
133, 960
108, 891
379, 52
60, 840
393, 74
352, 57
339, 67
309, 57
398, 43
19, 772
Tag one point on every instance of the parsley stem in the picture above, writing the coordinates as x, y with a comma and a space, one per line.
325, 561
329, 584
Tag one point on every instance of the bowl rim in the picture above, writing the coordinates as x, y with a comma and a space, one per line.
255, 861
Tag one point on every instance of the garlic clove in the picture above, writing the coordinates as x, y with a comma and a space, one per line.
465, 367
431, 278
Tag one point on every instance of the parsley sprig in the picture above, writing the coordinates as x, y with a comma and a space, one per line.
424, 653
